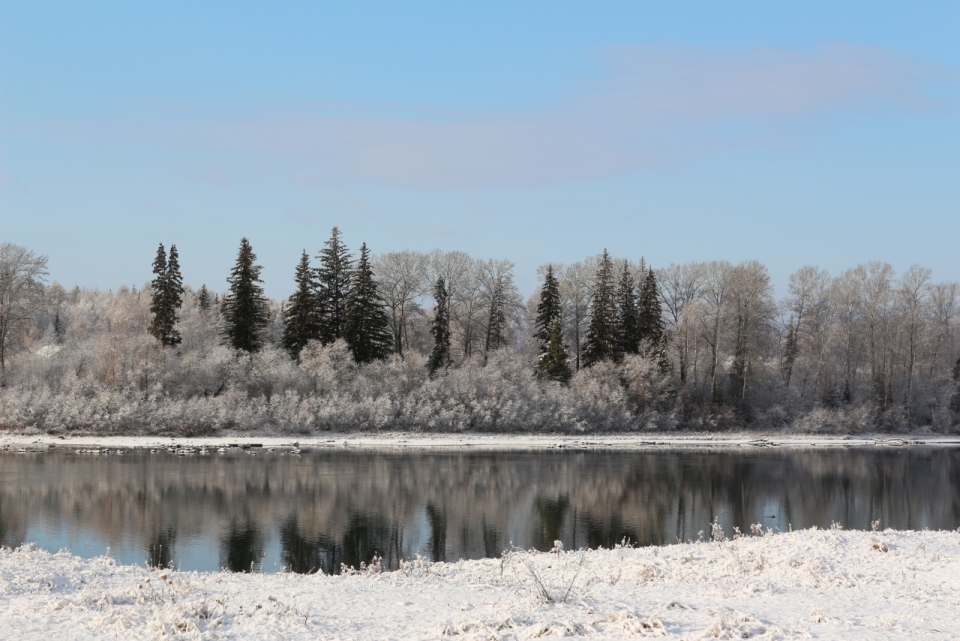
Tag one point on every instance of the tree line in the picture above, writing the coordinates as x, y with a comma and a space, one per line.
700, 345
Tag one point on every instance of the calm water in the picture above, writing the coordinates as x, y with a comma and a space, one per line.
269, 512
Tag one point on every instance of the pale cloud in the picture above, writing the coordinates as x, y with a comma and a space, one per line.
658, 104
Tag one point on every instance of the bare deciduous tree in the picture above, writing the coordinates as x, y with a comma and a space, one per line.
22, 275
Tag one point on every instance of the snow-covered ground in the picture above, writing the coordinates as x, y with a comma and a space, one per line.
12, 440
830, 584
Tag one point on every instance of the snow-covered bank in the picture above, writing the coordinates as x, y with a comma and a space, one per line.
830, 584
12, 440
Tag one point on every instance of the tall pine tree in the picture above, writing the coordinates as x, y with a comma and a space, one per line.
496, 319
300, 315
244, 309
628, 316
549, 310
602, 330
554, 363
167, 296
203, 299
440, 329
651, 317
367, 328
334, 277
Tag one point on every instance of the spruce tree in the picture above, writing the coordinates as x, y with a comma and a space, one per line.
166, 298
651, 318
58, 327
440, 329
554, 363
496, 319
955, 396
333, 288
203, 298
549, 310
602, 330
628, 316
158, 303
174, 284
245, 311
367, 328
300, 315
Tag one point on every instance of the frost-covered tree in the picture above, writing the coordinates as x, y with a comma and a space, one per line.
300, 314
602, 331
334, 278
401, 277
22, 274
367, 328
440, 329
245, 310
166, 297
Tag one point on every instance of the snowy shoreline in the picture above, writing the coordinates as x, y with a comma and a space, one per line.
826, 584
425, 441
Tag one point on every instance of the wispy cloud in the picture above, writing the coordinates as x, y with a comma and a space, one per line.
657, 104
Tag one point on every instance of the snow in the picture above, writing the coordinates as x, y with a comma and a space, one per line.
825, 584
407, 440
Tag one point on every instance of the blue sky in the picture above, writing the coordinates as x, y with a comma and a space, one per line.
800, 133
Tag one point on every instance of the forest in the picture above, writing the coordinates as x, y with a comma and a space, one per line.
444, 342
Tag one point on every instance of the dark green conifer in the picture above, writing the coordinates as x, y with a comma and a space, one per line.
549, 310
602, 330
57, 327
333, 288
496, 319
554, 363
203, 298
955, 397
300, 315
628, 316
367, 328
244, 309
440, 329
166, 297
651, 318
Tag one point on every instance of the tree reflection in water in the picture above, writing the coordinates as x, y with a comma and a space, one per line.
160, 549
242, 548
332, 507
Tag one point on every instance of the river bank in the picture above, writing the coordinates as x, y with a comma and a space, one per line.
824, 584
33, 441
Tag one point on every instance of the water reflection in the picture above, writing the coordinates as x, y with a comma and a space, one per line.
329, 508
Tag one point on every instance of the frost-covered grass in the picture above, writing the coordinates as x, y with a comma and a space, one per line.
812, 583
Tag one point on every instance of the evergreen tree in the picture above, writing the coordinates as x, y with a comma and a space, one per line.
554, 363
333, 288
245, 311
367, 328
174, 284
651, 319
167, 296
440, 329
496, 320
58, 327
628, 317
602, 330
955, 397
301, 315
549, 310
203, 298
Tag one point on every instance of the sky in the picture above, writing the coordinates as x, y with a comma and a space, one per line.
793, 133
